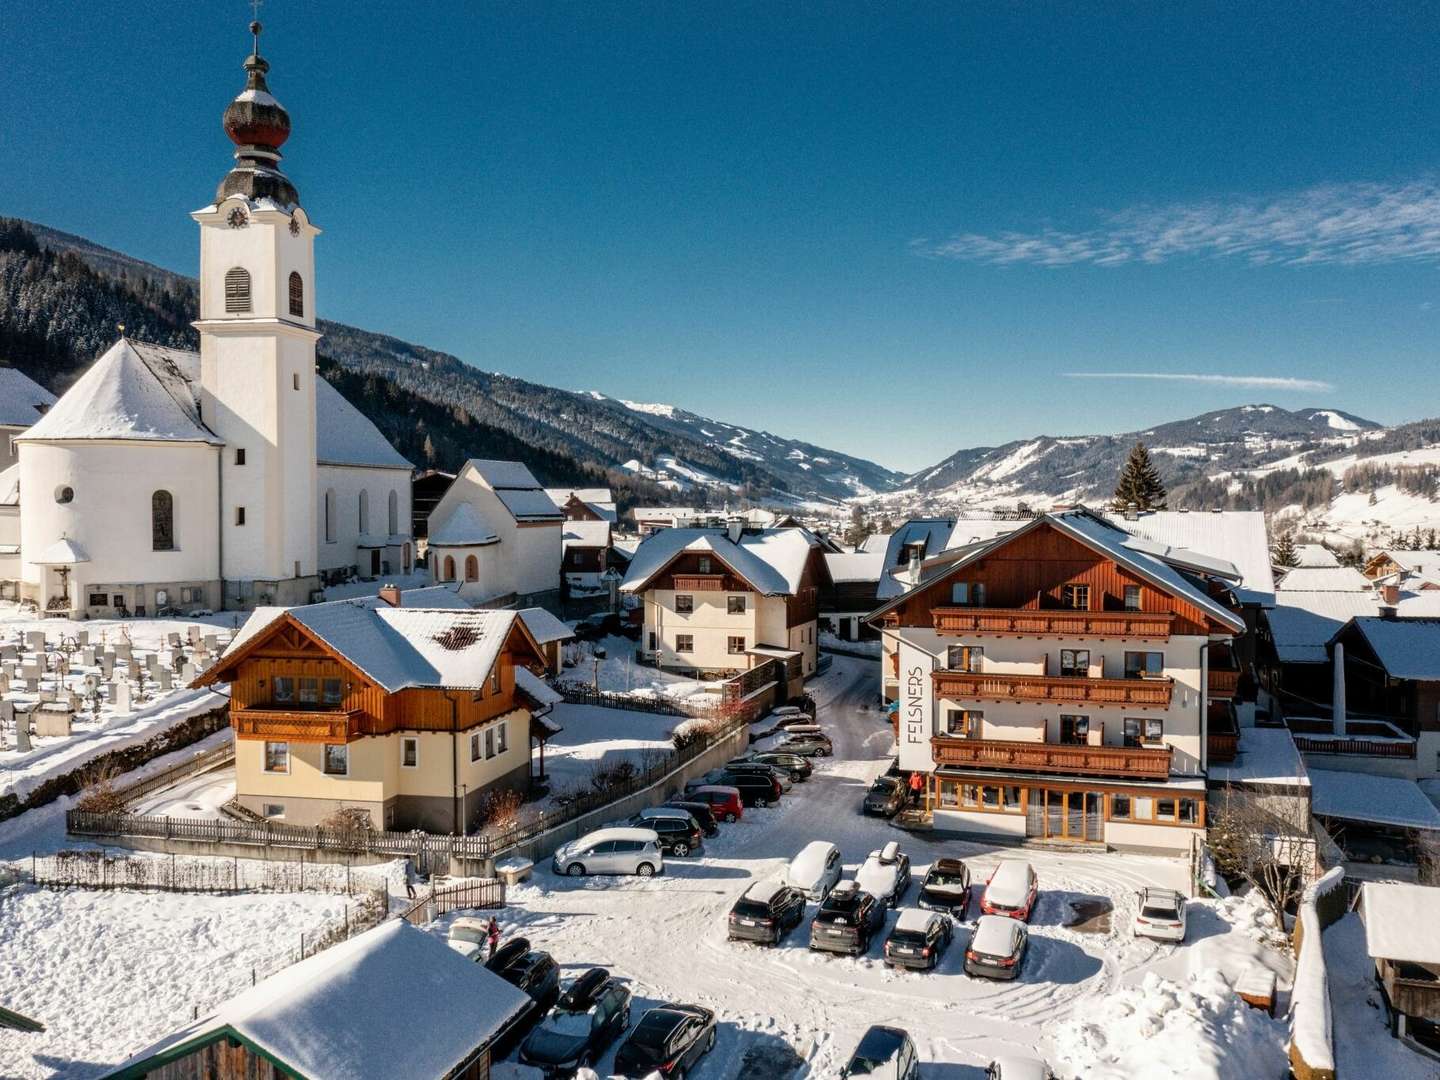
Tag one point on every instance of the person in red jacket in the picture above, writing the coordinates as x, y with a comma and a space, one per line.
917, 787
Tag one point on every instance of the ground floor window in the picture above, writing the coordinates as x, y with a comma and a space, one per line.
337, 759
475, 747
684, 642
501, 737
99, 599
1156, 810
277, 757
410, 752
273, 810
735, 646
992, 798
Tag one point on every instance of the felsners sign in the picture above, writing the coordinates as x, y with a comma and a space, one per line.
916, 709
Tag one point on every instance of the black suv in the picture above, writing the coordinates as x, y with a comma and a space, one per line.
946, 887
679, 834
529, 970
668, 1040
795, 766
592, 1012
919, 939
755, 789
847, 920
766, 912
703, 814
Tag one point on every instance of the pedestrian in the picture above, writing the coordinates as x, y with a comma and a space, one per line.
409, 879
492, 934
917, 785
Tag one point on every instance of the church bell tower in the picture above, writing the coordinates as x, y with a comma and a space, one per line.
257, 356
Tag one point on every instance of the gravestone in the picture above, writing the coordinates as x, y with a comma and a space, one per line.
121, 698
9, 652
32, 685
173, 639
87, 656
35, 640
22, 733
167, 679
152, 663
107, 665
193, 634
210, 643
187, 673
82, 638
123, 651
52, 720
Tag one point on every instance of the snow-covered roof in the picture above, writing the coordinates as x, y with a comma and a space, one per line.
772, 560
1315, 556
1419, 562
933, 533
63, 552
504, 474
1302, 623
545, 627
561, 495
536, 688
1266, 757
1379, 800
585, 534
1235, 536
134, 391
1324, 579
462, 527
432, 596
529, 505
351, 1012
875, 542
1400, 922
345, 436
22, 400
10, 486
859, 566
1406, 648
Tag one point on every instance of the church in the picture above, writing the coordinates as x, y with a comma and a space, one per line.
232, 477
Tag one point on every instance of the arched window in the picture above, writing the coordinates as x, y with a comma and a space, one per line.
449, 568
392, 513
162, 521
297, 295
364, 512
405, 558
237, 290
329, 515
472, 568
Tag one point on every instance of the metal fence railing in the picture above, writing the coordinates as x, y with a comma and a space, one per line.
197, 874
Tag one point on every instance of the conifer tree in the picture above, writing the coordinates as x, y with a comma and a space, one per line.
1140, 482
1284, 552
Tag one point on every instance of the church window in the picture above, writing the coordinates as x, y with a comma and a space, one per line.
295, 380
297, 295
239, 515
237, 290
472, 568
162, 521
392, 513
364, 512
239, 455
329, 515
64, 494
449, 568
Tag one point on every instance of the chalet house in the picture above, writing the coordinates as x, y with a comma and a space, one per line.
23, 402
722, 601
851, 595
1401, 563
1056, 682
549, 633
1402, 939
585, 504
412, 714
587, 547
350, 1012
498, 535
1388, 693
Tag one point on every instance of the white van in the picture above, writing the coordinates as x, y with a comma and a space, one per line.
816, 870
612, 850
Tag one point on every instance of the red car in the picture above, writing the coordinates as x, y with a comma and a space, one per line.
1011, 890
724, 801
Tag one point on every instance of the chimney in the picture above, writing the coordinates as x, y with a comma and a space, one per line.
1390, 594
390, 594
1388, 612
734, 529
1337, 709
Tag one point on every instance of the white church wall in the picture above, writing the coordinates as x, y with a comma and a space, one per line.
339, 544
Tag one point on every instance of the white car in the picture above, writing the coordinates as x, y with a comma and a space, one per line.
885, 874
611, 851
816, 870
1161, 915
1015, 1067
468, 936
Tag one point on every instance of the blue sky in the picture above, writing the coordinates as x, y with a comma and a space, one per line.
893, 230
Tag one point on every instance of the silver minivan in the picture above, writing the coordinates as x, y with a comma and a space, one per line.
614, 850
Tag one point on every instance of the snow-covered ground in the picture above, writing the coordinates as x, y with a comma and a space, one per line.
594, 738
620, 674
110, 972
199, 796
1095, 1004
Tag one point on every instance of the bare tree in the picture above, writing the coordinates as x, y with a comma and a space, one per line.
1274, 856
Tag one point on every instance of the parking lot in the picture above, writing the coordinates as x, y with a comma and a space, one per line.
781, 1008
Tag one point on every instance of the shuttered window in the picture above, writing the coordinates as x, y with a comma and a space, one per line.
297, 295
237, 290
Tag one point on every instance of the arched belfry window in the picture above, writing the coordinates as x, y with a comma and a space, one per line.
297, 295
162, 521
237, 290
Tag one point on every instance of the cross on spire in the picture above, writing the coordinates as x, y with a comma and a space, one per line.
255, 23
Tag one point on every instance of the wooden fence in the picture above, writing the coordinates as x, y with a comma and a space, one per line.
197, 874
462, 896
202, 761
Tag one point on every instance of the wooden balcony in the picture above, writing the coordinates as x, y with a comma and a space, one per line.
693, 583
1221, 746
1152, 693
1053, 623
329, 725
1222, 682
1411, 988
1140, 762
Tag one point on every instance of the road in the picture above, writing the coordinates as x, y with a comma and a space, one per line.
787, 1007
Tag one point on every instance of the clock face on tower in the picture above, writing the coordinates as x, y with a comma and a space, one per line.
237, 219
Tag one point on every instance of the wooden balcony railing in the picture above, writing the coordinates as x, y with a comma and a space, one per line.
1222, 682
1151, 763
693, 583
1057, 623
335, 726
1000, 687
1222, 746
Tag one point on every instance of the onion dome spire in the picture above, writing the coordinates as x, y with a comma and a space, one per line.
258, 125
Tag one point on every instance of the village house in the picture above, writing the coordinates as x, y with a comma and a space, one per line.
585, 504
415, 715
366, 1007
850, 596
1056, 681
651, 519
23, 402
1400, 564
1402, 939
426, 490
498, 535
721, 601
588, 554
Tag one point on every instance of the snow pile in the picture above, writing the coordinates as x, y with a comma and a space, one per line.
1310, 1000
1160, 1029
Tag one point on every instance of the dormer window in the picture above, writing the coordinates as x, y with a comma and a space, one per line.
237, 290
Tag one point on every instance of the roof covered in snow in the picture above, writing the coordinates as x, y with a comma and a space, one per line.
22, 400
1302, 623
536, 688
345, 436
1235, 536
10, 486
545, 627
1315, 556
859, 566
1419, 562
934, 536
585, 534
463, 527
352, 1011
1400, 922
1406, 648
1325, 579
63, 552
1379, 800
516, 487
771, 560
1267, 757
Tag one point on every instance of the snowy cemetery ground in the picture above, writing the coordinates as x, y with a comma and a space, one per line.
1100, 1005
115, 683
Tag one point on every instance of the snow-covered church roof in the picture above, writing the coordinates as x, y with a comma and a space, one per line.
139, 391
22, 399
462, 527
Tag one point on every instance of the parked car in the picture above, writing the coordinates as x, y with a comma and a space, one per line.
754, 789
592, 1011
668, 1040
766, 912
919, 939
724, 801
679, 833
885, 874
807, 746
816, 870
589, 630
798, 768
702, 812
1011, 890
886, 797
1161, 915
884, 1053
468, 936
997, 948
800, 726
946, 887
532, 971
507, 954
783, 712
759, 768
847, 920
1015, 1067
611, 850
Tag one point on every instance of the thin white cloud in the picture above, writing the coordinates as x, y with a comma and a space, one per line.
1357, 224
1251, 382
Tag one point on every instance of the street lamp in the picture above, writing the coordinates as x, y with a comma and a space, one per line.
599, 655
